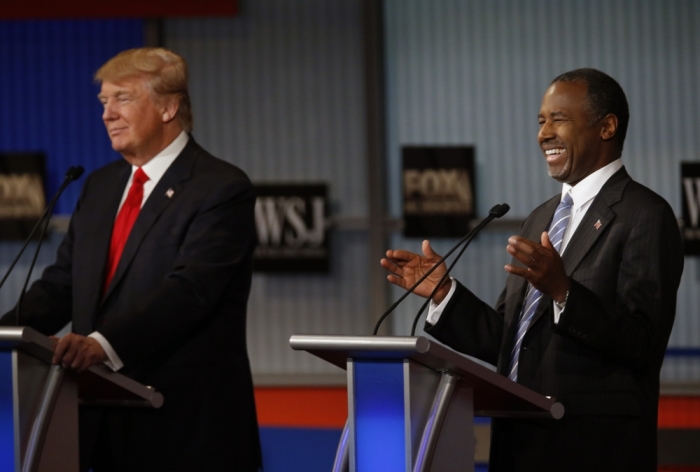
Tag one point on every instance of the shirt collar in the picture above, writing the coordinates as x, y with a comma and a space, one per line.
588, 188
156, 167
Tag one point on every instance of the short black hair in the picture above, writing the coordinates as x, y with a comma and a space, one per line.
603, 95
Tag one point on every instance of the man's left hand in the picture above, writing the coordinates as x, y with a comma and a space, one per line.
544, 267
77, 352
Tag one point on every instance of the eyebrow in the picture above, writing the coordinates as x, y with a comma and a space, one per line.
554, 114
118, 94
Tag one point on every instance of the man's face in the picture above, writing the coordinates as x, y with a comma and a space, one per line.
571, 147
134, 121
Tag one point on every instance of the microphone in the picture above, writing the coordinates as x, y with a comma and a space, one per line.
73, 173
496, 212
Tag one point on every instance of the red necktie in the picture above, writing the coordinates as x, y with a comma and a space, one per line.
123, 224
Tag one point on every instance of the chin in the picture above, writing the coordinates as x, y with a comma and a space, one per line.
118, 146
559, 173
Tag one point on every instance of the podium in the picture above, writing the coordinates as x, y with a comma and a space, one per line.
39, 402
412, 402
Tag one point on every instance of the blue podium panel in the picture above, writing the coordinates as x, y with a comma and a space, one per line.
7, 418
380, 429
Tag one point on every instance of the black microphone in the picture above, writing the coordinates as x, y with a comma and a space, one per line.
73, 173
496, 212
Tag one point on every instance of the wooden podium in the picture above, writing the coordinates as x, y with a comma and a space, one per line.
412, 402
39, 402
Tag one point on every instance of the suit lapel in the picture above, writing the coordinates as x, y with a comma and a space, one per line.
588, 231
166, 191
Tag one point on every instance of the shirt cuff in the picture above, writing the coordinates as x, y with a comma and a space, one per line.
558, 310
113, 361
435, 310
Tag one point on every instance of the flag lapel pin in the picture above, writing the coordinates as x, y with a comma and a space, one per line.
598, 224
170, 193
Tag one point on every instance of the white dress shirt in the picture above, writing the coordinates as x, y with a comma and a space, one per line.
154, 169
582, 194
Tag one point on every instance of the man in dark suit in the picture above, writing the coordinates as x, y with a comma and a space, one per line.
154, 273
589, 304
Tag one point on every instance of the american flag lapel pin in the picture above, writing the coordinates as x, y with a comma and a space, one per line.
597, 225
170, 193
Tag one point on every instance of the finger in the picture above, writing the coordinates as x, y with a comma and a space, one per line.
526, 258
544, 239
71, 352
519, 271
428, 252
60, 349
389, 265
79, 359
530, 276
393, 269
398, 281
523, 245
400, 256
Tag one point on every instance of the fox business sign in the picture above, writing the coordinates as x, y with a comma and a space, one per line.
438, 190
690, 196
291, 225
22, 197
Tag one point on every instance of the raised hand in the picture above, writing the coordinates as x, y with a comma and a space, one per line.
407, 268
544, 266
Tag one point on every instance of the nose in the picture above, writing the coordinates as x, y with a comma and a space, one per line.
108, 112
546, 131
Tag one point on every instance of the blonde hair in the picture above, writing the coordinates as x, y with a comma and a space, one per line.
166, 74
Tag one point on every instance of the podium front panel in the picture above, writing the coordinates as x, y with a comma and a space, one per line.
379, 419
8, 423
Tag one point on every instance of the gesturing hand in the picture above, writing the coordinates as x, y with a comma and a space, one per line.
545, 268
407, 267
78, 352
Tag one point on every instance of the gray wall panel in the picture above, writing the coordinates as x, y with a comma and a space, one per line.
279, 92
473, 72
14, 283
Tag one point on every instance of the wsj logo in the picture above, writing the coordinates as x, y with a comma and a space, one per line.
690, 196
290, 221
691, 187
292, 231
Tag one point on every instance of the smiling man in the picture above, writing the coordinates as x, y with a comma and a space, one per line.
590, 299
154, 273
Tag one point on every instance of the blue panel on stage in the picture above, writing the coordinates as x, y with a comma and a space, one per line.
298, 449
379, 416
7, 422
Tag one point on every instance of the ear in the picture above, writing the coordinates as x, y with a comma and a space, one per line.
169, 109
609, 127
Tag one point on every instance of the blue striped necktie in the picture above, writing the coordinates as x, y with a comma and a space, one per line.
560, 221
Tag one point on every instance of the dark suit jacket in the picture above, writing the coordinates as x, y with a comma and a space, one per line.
602, 360
175, 313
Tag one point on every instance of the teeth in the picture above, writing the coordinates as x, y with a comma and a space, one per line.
551, 152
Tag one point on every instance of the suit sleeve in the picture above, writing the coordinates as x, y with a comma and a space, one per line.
470, 325
213, 264
625, 307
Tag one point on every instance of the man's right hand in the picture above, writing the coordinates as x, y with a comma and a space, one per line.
407, 267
